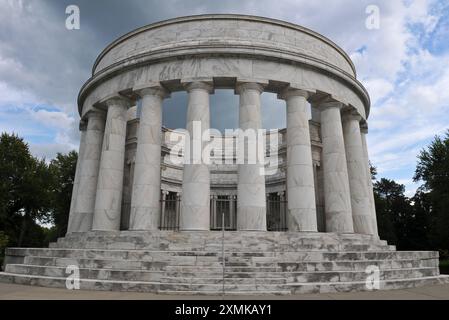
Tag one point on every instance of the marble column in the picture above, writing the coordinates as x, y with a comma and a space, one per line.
361, 211
337, 199
146, 190
364, 131
301, 214
251, 201
110, 177
195, 201
89, 159
82, 127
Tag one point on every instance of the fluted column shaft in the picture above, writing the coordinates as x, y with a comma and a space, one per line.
146, 190
335, 173
110, 178
301, 215
89, 161
361, 211
195, 200
369, 183
82, 148
251, 200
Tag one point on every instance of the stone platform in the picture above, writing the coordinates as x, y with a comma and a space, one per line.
256, 263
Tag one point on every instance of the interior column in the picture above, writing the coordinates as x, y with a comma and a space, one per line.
251, 201
195, 200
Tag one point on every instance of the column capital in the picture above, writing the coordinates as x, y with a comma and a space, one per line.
241, 86
293, 92
198, 85
152, 89
83, 125
95, 113
364, 127
349, 114
326, 104
116, 99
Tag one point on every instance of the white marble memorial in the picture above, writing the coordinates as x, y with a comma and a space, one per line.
301, 218
320, 183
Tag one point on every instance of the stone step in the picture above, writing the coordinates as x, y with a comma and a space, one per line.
96, 263
210, 289
316, 276
141, 286
228, 247
265, 294
335, 287
133, 275
88, 273
231, 236
348, 265
319, 287
219, 280
253, 241
211, 237
189, 264
210, 256
357, 265
202, 276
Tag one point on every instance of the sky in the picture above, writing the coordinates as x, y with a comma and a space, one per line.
404, 64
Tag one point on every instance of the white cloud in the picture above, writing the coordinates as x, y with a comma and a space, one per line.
54, 118
14, 96
48, 151
378, 89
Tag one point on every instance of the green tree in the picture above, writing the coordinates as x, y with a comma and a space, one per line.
419, 226
383, 210
3, 244
62, 170
24, 192
391, 206
433, 170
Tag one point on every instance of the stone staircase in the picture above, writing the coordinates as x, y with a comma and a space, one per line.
191, 263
